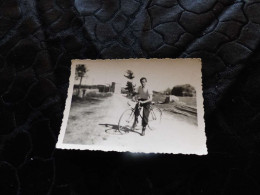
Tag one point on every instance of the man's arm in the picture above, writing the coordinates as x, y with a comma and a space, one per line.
135, 96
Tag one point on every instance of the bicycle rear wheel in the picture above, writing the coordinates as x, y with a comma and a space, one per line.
126, 121
155, 118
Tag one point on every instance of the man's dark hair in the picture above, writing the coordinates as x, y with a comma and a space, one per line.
143, 79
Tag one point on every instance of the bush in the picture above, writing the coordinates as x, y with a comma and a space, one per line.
184, 90
76, 98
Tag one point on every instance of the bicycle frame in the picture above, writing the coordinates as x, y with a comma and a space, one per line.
151, 111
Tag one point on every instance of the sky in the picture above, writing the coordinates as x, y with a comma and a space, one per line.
160, 73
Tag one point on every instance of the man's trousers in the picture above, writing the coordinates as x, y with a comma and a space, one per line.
146, 112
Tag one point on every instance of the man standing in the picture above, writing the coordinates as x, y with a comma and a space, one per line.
144, 97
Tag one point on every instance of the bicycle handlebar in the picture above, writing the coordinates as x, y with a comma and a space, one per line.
137, 102
129, 104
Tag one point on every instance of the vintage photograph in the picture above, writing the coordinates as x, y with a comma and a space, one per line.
135, 105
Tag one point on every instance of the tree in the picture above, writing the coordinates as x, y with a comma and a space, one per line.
129, 85
130, 74
81, 70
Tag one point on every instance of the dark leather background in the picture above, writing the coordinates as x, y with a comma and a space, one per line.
39, 38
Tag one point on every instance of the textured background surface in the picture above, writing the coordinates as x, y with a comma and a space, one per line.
39, 38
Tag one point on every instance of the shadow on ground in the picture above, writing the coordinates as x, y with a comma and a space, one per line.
113, 129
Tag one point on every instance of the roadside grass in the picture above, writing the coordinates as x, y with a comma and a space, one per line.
91, 97
85, 114
97, 95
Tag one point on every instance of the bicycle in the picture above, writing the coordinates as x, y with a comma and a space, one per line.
126, 120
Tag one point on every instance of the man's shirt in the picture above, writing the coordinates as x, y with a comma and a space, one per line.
144, 93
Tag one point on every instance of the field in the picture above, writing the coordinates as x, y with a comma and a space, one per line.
189, 101
185, 108
180, 111
158, 97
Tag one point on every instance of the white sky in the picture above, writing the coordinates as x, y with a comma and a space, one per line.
160, 73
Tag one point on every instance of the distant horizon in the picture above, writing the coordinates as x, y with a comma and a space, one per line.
160, 75
82, 85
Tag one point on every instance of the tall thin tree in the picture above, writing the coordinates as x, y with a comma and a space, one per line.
129, 85
81, 70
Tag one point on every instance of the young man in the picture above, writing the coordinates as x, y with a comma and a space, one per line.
144, 96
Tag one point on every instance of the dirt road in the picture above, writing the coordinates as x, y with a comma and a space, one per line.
94, 125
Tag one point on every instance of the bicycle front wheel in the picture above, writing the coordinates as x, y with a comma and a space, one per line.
126, 121
155, 118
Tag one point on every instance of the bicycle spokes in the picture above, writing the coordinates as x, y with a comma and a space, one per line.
126, 121
154, 118
129, 118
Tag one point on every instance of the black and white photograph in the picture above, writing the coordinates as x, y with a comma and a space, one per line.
135, 105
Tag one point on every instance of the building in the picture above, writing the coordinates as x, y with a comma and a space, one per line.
84, 89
